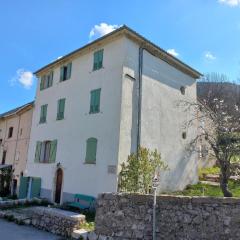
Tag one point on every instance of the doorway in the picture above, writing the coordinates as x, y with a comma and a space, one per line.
58, 190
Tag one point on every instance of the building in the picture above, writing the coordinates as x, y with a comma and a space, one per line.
94, 107
15, 128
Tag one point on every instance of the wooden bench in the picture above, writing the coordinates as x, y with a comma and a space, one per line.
83, 202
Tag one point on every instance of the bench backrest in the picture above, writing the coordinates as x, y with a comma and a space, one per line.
85, 200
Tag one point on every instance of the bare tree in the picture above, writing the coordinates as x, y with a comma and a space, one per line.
220, 112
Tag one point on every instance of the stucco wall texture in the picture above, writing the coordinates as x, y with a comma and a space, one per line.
115, 126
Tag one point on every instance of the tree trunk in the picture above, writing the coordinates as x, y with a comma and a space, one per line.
224, 183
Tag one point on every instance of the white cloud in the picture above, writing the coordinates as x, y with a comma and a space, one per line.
209, 56
173, 52
232, 3
101, 30
24, 78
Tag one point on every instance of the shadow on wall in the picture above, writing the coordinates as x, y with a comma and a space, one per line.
185, 172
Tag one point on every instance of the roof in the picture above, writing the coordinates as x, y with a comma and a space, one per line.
16, 110
145, 43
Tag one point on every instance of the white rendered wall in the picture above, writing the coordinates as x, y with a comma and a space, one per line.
163, 121
79, 125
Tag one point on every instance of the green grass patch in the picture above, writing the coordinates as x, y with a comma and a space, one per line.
206, 171
201, 189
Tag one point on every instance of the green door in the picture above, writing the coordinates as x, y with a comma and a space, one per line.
23, 189
36, 187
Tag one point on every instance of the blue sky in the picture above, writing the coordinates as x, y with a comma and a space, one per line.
203, 33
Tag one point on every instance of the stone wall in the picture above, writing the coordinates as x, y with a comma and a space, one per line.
20, 202
129, 216
56, 221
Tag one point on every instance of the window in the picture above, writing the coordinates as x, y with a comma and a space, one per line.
4, 157
183, 90
0, 142
10, 132
184, 135
46, 152
65, 72
95, 101
21, 131
60, 110
46, 81
43, 114
91, 151
98, 60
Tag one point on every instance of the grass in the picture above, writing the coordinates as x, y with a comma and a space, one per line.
205, 171
203, 189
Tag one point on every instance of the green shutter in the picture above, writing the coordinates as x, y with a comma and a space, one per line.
95, 101
61, 73
69, 70
61, 109
35, 187
92, 102
53, 151
43, 114
95, 61
23, 188
91, 150
51, 80
42, 82
38, 152
100, 58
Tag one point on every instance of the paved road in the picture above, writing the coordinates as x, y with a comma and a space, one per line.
12, 231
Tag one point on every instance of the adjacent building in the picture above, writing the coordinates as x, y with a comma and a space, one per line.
97, 104
15, 128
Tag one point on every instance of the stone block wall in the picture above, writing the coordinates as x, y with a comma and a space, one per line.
129, 216
56, 221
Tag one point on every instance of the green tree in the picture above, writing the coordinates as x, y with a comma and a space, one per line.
137, 173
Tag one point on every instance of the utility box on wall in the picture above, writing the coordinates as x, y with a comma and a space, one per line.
30, 187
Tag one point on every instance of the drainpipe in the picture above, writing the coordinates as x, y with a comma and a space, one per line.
139, 115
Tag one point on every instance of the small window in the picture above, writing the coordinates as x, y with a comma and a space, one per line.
98, 60
21, 131
95, 101
65, 72
4, 157
46, 81
183, 90
10, 132
45, 152
184, 135
0, 142
43, 114
60, 110
91, 151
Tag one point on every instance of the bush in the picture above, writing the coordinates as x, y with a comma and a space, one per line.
137, 173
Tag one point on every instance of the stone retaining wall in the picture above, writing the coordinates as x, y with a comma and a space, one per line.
56, 221
14, 203
129, 216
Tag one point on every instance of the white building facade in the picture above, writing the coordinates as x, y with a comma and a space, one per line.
94, 107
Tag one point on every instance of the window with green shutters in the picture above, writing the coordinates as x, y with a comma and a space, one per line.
95, 101
65, 72
60, 109
46, 81
43, 114
91, 151
98, 60
46, 152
